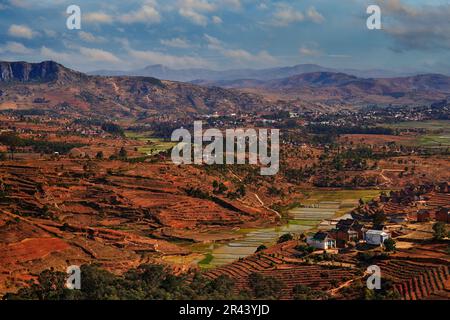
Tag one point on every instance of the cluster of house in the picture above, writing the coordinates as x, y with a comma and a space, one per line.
347, 230
440, 215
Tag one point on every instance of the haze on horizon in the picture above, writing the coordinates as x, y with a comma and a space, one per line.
229, 34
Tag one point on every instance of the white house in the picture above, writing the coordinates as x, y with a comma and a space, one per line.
321, 240
376, 237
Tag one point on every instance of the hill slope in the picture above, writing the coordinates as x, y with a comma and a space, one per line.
51, 85
330, 87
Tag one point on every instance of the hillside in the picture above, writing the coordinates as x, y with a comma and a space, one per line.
193, 74
330, 87
49, 85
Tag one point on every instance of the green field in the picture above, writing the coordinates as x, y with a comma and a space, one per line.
427, 125
437, 132
155, 145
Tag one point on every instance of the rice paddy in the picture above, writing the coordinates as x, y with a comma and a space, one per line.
317, 206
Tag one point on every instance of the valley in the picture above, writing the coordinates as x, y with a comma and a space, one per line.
87, 179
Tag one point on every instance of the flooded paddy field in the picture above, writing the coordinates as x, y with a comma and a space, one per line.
318, 206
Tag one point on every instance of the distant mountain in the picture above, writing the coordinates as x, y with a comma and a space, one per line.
187, 75
330, 87
49, 85
46, 71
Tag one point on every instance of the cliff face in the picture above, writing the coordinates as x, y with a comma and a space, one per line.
46, 71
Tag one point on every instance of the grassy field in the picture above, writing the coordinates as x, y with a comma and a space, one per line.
437, 132
427, 125
208, 258
344, 196
154, 145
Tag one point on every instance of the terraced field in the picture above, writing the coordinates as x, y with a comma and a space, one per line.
416, 280
318, 206
280, 262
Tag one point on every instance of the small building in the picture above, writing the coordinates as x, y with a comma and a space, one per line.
350, 229
321, 240
424, 215
376, 237
443, 215
398, 218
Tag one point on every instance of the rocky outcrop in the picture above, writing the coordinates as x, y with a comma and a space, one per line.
46, 71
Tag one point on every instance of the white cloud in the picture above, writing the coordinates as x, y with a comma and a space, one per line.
309, 51
50, 33
193, 16
197, 5
176, 43
153, 57
240, 55
97, 17
194, 10
51, 54
147, 13
20, 3
20, 31
89, 37
285, 15
15, 47
217, 20
213, 43
314, 15
98, 55
232, 4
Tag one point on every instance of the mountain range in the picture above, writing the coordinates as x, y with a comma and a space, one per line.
186, 75
329, 87
51, 85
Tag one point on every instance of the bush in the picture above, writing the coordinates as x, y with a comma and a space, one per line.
389, 244
285, 237
147, 282
302, 292
265, 287
440, 231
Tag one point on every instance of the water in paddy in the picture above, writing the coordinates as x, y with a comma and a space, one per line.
301, 220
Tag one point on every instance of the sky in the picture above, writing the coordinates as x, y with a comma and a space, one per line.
229, 34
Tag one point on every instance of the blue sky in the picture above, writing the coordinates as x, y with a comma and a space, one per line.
224, 34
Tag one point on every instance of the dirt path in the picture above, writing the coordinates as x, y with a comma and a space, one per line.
346, 284
389, 180
264, 206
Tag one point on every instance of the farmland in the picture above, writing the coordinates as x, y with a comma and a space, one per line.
316, 206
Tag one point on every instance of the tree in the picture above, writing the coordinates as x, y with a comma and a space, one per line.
113, 129
265, 286
389, 244
123, 154
12, 141
261, 248
440, 231
99, 155
285, 237
379, 218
